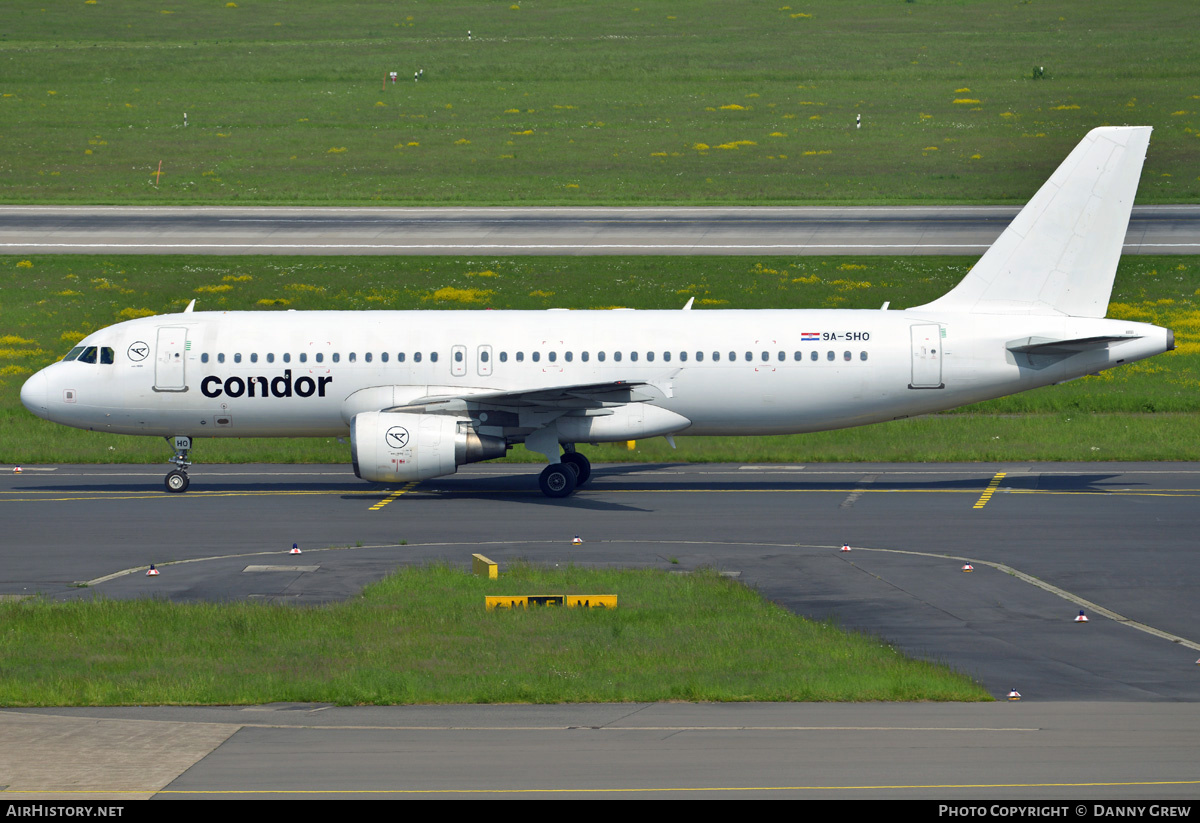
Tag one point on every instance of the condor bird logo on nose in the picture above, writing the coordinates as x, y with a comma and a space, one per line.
397, 437
138, 351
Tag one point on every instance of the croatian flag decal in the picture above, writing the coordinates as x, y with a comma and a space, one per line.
810, 335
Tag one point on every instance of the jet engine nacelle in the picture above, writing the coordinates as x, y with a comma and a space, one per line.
398, 447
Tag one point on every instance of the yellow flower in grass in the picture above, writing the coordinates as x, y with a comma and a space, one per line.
457, 295
133, 314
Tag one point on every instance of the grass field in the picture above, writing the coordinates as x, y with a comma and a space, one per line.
423, 636
1147, 411
578, 102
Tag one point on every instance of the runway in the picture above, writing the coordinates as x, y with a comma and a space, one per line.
907, 230
1050, 539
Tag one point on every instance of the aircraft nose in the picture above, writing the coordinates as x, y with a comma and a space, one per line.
34, 394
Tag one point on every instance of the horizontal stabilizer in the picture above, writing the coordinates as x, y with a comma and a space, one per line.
1044, 345
1060, 254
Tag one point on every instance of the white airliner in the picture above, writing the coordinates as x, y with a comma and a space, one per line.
423, 392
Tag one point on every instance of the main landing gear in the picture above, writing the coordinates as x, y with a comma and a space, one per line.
177, 479
561, 479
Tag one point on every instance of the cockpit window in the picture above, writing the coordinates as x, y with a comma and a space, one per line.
73, 353
106, 356
89, 355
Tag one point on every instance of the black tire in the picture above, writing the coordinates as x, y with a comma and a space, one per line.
176, 481
557, 480
582, 465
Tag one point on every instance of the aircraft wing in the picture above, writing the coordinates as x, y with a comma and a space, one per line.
553, 398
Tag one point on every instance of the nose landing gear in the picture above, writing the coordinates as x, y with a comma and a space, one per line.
177, 479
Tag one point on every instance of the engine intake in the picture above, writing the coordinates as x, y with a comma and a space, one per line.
398, 447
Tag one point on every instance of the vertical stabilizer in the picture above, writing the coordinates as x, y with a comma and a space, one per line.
1060, 254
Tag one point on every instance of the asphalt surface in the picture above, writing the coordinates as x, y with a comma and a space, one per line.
1109, 705
998, 752
1167, 229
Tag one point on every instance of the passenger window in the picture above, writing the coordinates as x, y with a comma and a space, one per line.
699, 357
733, 356
221, 357
204, 357
416, 357
683, 357
766, 356
433, 357
254, 357
829, 356
862, 355
73, 353
846, 357
336, 357
537, 356
782, 356
303, 357
633, 356
287, 357
106, 356
458, 357
813, 357
383, 356
600, 357
568, 357
483, 356
650, 356
400, 357
320, 357
270, 357
583, 356
553, 356
666, 357
237, 358
520, 357
366, 357
799, 357
503, 357
353, 357
617, 356
749, 356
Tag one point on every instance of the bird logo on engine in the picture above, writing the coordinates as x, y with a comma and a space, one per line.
396, 437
